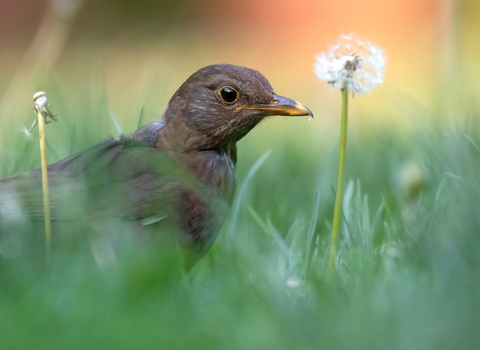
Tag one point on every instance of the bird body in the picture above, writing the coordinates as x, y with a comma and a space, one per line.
174, 177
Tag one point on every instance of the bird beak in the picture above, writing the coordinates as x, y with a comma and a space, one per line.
281, 106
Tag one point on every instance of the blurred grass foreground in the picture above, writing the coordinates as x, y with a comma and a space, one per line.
408, 260
407, 269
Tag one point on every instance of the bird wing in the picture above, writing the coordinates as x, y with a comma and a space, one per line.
117, 178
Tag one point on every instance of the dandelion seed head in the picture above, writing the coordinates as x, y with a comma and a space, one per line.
358, 64
40, 99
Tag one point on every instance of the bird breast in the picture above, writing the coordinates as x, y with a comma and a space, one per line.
204, 209
216, 169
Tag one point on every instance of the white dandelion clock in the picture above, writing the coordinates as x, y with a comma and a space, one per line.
352, 63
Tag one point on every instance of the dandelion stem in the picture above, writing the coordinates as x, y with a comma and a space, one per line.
46, 199
339, 193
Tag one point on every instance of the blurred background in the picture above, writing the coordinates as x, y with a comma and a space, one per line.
127, 55
408, 269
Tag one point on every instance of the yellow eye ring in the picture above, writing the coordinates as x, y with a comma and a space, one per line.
228, 94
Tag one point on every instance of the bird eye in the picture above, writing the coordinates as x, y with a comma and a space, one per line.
229, 94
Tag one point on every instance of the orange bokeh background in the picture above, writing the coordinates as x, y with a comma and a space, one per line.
136, 53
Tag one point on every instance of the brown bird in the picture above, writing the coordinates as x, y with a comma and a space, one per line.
174, 177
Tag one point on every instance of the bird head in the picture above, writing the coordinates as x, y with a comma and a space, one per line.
219, 104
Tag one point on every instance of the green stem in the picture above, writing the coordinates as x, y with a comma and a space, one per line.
46, 199
339, 194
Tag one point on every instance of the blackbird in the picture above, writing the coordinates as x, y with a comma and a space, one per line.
174, 177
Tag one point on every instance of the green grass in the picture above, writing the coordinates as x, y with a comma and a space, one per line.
408, 266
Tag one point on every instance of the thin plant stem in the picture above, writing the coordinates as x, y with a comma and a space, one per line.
339, 193
46, 199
